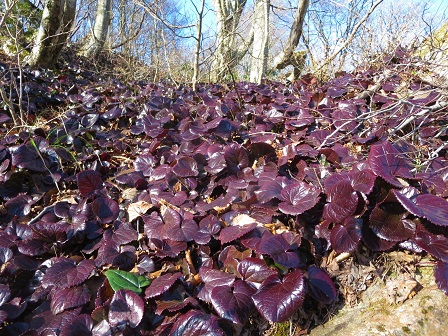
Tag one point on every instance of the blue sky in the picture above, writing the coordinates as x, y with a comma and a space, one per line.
436, 6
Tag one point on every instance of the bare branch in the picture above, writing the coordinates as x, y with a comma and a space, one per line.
351, 36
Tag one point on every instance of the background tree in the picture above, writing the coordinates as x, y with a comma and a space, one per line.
98, 35
286, 58
259, 56
228, 31
197, 52
156, 39
19, 22
57, 20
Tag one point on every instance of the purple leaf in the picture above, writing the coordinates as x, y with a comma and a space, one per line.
168, 248
224, 128
233, 303
374, 242
230, 233
172, 217
184, 232
437, 245
388, 221
62, 209
88, 182
126, 307
196, 323
145, 164
65, 273
66, 298
208, 226
185, 167
106, 209
80, 326
387, 162
20, 205
345, 117
362, 180
298, 198
269, 191
113, 113
277, 248
44, 319
14, 308
441, 276
320, 286
343, 202
175, 304
50, 232
335, 92
32, 247
213, 278
161, 284
124, 233
345, 238
108, 251
5, 294
254, 271
5, 255
152, 126
230, 256
236, 158
406, 197
216, 163
26, 263
278, 299
28, 157
433, 208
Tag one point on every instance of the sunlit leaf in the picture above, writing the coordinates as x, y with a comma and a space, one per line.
279, 298
126, 307
66, 298
119, 279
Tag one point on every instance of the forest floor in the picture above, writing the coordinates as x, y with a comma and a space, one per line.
213, 202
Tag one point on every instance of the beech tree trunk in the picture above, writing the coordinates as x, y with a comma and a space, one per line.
228, 55
284, 59
57, 20
197, 52
259, 55
95, 42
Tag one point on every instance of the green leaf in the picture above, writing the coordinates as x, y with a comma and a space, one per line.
124, 280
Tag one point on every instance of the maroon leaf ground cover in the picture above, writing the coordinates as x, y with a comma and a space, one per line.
154, 209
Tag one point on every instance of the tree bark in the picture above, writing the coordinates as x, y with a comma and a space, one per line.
228, 15
95, 42
57, 20
284, 59
194, 79
259, 55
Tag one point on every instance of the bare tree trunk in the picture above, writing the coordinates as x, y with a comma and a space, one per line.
260, 50
284, 59
228, 15
198, 45
95, 42
57, 21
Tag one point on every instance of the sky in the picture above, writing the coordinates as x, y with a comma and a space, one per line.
436, 6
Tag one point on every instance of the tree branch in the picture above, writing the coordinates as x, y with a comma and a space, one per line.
350, 37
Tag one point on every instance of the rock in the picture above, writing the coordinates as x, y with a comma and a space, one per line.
396, 306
